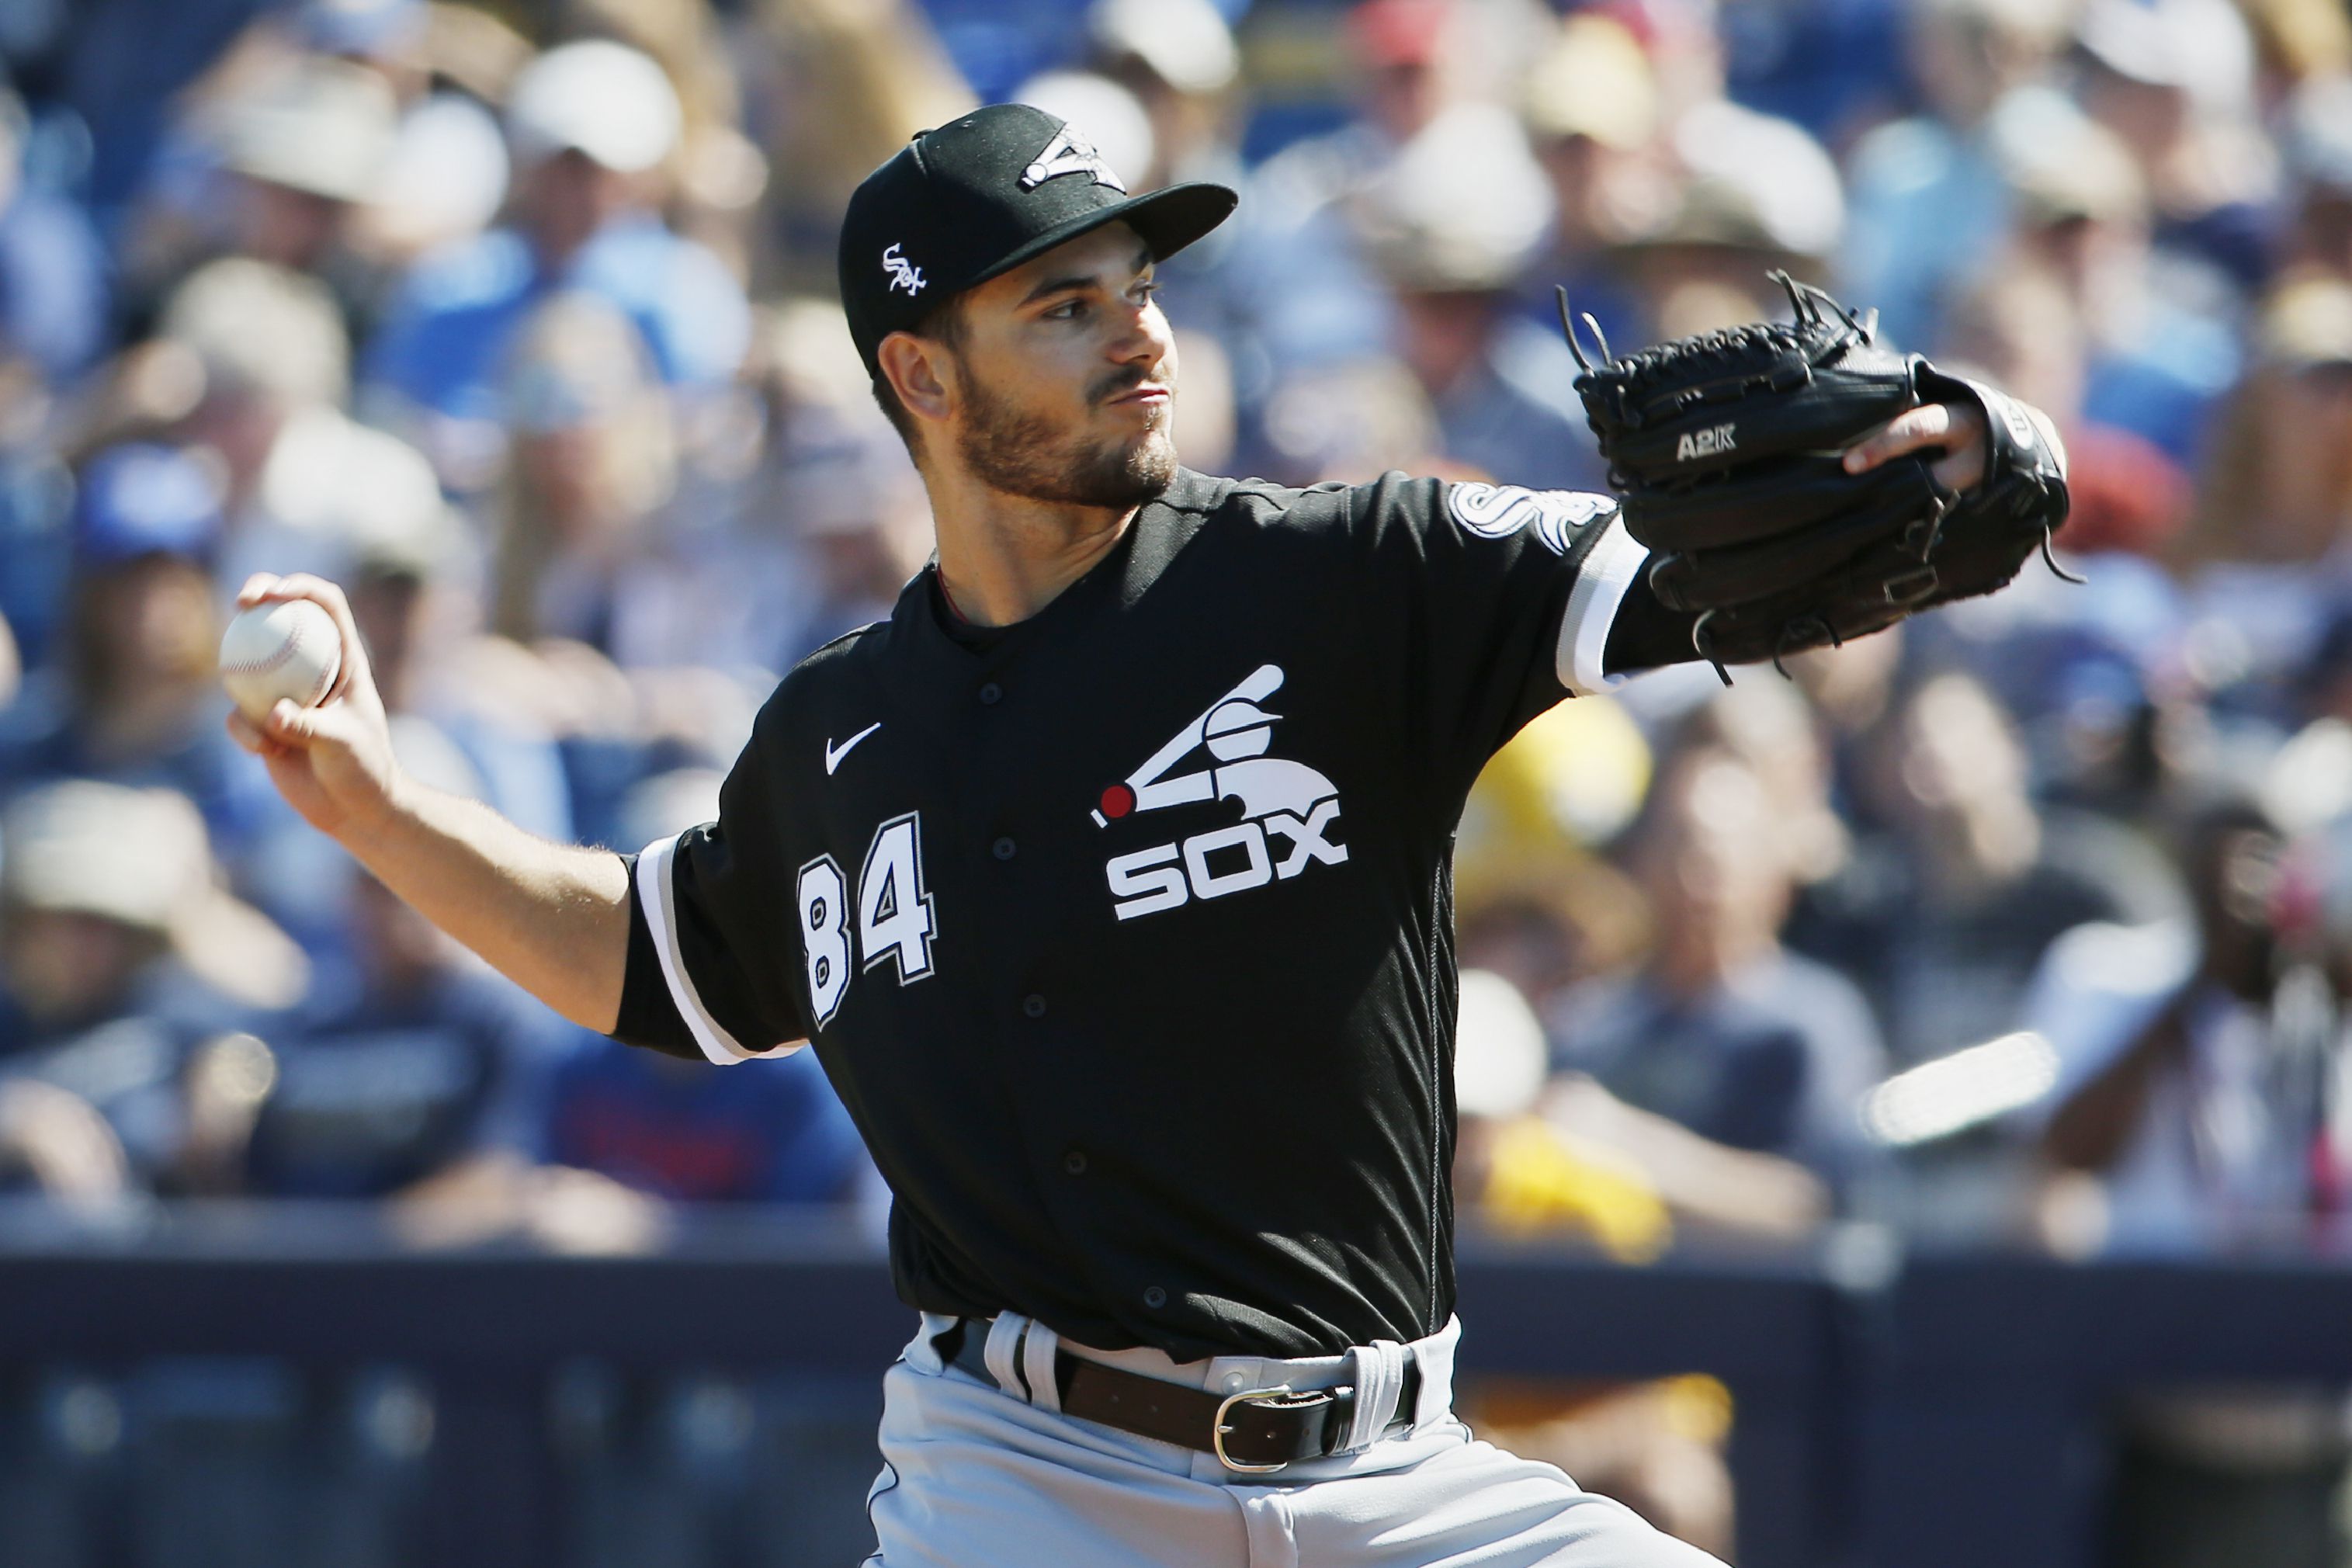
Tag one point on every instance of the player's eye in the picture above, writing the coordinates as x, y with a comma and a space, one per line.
1068, 311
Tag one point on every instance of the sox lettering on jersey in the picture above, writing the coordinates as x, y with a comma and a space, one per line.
1281, 801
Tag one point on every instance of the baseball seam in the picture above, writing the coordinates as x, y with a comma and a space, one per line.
285, 650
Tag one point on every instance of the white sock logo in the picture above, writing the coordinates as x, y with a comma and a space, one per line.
1280, 801
903, 273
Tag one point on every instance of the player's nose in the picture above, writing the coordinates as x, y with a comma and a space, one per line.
1145, 340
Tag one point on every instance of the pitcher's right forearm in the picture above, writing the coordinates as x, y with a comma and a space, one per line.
552, 918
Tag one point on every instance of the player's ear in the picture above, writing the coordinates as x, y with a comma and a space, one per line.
917, 373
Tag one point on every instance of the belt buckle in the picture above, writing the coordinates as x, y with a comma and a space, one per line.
1218, 1429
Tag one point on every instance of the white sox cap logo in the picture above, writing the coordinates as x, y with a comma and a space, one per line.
1069, 153
1280, 799
903, 272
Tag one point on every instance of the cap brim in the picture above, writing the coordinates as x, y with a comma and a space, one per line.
1167, 220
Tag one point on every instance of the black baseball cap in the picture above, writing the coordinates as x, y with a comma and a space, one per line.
962, 203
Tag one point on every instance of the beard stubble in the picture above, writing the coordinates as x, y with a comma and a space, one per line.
1027, 454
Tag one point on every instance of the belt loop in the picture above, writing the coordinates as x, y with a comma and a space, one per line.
932, 1349
1435, 1355
1037, 1363
1379, 1378
1003, 1342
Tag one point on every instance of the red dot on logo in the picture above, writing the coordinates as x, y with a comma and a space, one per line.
1117, 801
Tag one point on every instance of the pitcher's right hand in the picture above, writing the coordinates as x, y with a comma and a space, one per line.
332, 763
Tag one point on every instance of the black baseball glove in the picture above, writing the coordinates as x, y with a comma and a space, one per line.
1728, 447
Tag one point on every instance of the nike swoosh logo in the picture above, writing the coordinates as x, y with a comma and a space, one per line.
833, 753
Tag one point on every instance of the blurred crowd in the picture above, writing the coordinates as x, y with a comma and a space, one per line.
2028, 923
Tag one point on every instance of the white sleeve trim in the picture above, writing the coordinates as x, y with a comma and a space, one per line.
1606, 573
657, 893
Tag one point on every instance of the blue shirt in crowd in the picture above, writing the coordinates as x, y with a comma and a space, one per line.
443, 339
771, 1131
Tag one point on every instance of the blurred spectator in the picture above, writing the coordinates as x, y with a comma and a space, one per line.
688, 1132
131, 696
307, 485
1756, 194
1409, 57
591, 124
1720, 1030
2175, 81
1534, 903
1518, 1174
1177, 57
2278, 487
2158, 347
588, 548
1590, 104
53, 1143
121, 63
1834, 66
120, 959
307, 151
1931, 195
2316, 143
416, 616
444, 182
1316, 303
54, 277
2198, 1090
1451, 224
421, 1060
837, 86
1943, 913
2196, 1061
1514, 1169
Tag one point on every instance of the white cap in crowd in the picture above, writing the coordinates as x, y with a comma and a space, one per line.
1185, 43
323, 127
142, 858
2199, 46
1770, 172
261, 328
1462, 205
447, 176
598, 97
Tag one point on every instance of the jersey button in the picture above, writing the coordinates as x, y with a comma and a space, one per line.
1154, 1297
991, 693
1075, 1161
1035, 1006
1005, 849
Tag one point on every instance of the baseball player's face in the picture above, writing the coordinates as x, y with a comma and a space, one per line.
1067, 377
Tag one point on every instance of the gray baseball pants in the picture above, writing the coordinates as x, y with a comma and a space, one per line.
974, 1477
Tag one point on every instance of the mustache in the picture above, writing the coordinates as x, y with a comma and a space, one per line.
1118, 384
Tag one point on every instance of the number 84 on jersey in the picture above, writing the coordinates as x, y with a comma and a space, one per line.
893, 916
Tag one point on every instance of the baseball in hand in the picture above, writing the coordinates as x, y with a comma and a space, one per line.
289, 649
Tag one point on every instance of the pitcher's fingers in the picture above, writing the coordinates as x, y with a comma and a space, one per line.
250, 736
1929, 424
256, 588
329, 597
290, 726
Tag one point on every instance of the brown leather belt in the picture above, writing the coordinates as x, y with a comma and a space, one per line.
1253, 1431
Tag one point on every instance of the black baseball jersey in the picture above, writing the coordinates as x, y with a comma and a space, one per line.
1125, 932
